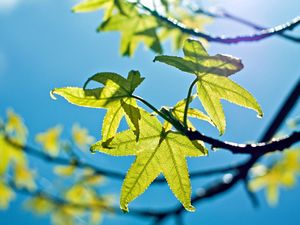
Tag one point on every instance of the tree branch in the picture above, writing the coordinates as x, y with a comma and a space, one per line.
262, 34
229, 180
221, 13
252, 149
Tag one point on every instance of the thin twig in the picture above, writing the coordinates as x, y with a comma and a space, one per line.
221, 13
262, 34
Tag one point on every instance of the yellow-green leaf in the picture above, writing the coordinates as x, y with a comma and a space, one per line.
116, 90
213, 83
156, 152
90, 5
6, 195
50, 140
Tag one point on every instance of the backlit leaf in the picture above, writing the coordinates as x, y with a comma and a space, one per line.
116, 90
156, 152
213, 83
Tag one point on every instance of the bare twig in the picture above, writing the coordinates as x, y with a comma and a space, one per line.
262, 34
221, 13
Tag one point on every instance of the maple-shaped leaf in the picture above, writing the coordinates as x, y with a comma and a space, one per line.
114, 96
135, 28
178, 112
213, 83
156, 152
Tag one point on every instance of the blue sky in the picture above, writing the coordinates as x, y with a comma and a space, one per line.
43, 45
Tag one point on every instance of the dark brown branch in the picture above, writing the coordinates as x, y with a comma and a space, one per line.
252, 149
262, 34
226, 15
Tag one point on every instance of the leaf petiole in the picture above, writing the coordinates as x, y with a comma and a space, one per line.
186, 108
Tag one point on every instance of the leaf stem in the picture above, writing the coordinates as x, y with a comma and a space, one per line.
186, 108
151, 107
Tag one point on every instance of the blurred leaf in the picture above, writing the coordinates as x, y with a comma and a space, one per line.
16, 126
282, 173
135, 28
81, 137
65, 171
6, 195
39, 205
50, 140
24, 178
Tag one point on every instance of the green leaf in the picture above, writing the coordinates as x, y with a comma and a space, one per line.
178, 112
211, 89
135, 28
90, 5
116, 90
213, 83
156, 152
134, 116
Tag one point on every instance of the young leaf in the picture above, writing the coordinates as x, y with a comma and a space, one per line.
178, 112
213, 83
116, 90
156, 152
134, 28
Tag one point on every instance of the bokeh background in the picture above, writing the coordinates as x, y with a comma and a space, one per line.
43, 45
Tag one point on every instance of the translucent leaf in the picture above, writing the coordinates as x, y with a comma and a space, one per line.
156, 152
135, 28
211, 89
116, 90
213, 84
90, 5
178, 112
134, 116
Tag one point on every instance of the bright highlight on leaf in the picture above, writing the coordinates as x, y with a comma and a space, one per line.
156, 152
115, 96
213, 83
